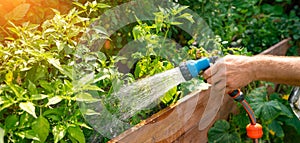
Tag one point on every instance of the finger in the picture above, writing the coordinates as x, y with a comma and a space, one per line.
207, 73
220, 85
228, 90
216, 68
218, 89
208, 80
210, 72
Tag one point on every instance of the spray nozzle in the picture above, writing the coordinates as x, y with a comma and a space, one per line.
192, 68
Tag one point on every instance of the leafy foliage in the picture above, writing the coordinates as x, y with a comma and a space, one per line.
254, 24
270, 110
156, 58
37, 94
221, 132
34, 11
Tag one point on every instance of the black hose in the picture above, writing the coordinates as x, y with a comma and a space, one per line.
249, 111
238, 96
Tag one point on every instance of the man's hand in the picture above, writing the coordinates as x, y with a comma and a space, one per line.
230, 73
233, 72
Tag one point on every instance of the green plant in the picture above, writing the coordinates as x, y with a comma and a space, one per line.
34, 11
156, 35
270, 110
254, 24
38, 92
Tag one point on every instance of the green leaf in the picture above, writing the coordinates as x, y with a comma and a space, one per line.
87, 79
101, 56
55, 63
59, 132
32, 88
220, 132
62, 141
83, 125
175, 23
100, 30
267, 111
1, 135
55, 114
285, 111
168, 96
293, 122
240, 120
89, 112
41, 127
102, 5
38, 97
29, 134
272, 9
180, 9
80, 5
18, 12
100, 77
65, 70
60, 46
187, 16
25, 120
37, 72
136, 32
18, 91
86, 97
55, 111
49, 30
54, 100
2, 100
92, 87
5, 103
11, 122
77, 133
28, 107
276, 127
73, 140
47, 86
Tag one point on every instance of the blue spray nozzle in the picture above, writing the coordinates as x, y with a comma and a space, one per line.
195, 66
192, 68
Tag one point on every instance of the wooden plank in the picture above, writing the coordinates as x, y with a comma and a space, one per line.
279, 49
194, 135
172, 122
179, 123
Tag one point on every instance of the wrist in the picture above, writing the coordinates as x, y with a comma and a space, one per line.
252, 68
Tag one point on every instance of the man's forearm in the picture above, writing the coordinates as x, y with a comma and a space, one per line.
277, 69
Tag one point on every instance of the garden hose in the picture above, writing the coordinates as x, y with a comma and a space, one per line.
254, 130
192, 68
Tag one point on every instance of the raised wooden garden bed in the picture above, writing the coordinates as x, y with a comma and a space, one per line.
167, 126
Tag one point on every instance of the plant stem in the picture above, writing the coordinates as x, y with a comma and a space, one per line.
2, 28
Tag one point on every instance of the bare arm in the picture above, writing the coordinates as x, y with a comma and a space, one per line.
277, 69
237, 71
